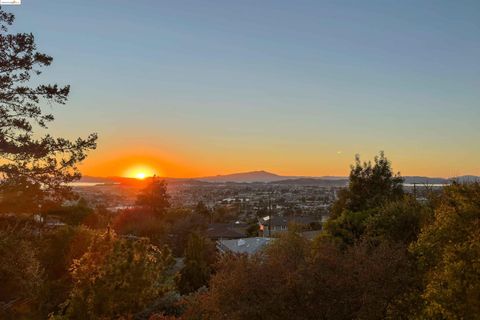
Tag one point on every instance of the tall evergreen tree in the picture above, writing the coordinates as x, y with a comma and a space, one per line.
369, 186
34, 165
155, 196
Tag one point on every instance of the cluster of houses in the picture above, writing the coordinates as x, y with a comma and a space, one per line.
232, 237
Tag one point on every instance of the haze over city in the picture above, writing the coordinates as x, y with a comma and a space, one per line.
190, 88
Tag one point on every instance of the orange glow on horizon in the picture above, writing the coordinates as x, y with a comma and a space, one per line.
141, 172
111, 164
107, 163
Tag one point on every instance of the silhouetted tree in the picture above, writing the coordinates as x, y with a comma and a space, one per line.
136, 222
28, 160
73, 214
155, 197
203, 210
179, 225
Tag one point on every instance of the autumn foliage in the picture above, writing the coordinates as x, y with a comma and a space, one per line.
383, 254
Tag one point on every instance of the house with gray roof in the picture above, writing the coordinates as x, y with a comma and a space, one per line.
243, 245
275, 225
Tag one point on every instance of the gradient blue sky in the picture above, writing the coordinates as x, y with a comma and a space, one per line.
296, 87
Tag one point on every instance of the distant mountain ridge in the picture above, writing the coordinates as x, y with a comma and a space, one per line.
252, 176
429, 180
265, 176
262, 176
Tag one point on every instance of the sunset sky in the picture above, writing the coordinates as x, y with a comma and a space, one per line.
195, 88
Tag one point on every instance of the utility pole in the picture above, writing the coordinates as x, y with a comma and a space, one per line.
269, 209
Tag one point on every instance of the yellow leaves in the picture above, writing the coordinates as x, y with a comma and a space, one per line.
117, 276
449, 252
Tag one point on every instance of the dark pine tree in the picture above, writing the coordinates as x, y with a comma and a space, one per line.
35, 167
155, 197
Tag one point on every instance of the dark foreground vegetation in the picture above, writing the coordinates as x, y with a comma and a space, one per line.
382, 255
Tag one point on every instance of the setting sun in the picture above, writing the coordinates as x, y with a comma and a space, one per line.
140, 175
140, 172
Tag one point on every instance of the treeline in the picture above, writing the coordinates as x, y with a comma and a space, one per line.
97, 264
382, 255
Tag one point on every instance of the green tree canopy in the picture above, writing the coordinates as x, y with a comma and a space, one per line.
448, 252
369, 186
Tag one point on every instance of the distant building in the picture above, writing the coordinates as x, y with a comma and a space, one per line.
243, 245
271, 225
